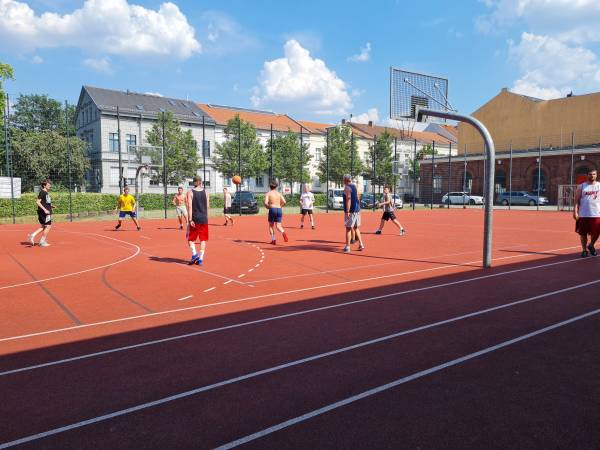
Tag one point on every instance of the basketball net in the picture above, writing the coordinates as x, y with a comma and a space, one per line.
406, 127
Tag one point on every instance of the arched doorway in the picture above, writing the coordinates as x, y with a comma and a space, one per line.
541, 183
500, 181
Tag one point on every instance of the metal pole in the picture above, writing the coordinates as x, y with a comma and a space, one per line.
432, 173
164, 155
271, 166
489, 181
120, 157
374, 173
9, 169
572, 155
203, 150
327, 171
301, 161
239, 186
396, 164
510, 169
449, 172
352, 153
464, 178
414, 176
539, 181
69, 160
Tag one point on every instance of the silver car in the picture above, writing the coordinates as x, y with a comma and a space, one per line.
520, 198
462, 198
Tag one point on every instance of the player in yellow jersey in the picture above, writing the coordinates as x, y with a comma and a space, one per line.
126, 206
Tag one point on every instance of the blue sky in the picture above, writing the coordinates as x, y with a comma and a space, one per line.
317, 60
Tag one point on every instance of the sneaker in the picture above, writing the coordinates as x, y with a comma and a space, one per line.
118, 226
313, 227
352, 241
361, 248
592, 250
193, 260
301, 225
273, 242
225, 224
181, 227
139, 228
584, 254
198, 262
402, 232
346, 249
378, 232
30, 239
44, 244
285, 236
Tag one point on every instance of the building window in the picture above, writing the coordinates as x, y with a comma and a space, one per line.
541, 184
437, 184
113, 142
259, 182
317, 183
226, 181
500, 182
207, 180
468, 181
206, 149
317, 154
130, 139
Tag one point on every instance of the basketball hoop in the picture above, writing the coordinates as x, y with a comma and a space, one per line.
406, 127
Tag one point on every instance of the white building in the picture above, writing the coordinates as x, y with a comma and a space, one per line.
110, 121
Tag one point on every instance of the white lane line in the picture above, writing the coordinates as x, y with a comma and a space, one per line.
185, 298
58, 277
312, 288
250, 270
257, 265
145, 237
310, 311
297, 362
241, 275
228, 281
400, 381
210, 289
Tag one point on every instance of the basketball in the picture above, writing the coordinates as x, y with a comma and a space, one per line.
236, 179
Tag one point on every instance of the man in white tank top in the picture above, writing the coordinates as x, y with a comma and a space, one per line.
587, 213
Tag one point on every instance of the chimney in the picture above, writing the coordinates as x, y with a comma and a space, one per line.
370, 123
343, 121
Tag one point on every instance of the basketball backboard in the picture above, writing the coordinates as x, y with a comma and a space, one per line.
411, 90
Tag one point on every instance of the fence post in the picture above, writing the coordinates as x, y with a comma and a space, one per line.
510, 169
239, 186
164, 154
120, 155
539, 179
396, 164
327, 172
432, 173
572, 155
464, 189
9, 171
271, 157
414, 175
374, 169
449, 171
351, 153
301, 161
69, 160
204, 150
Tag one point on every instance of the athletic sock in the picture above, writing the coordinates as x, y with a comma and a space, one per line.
201, 254
192, 247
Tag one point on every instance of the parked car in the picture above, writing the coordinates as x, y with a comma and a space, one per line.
521, 198
462, 198
366, 201
248, 203
335, 199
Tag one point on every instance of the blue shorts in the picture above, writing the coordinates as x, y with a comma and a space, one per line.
123, 214
275, 215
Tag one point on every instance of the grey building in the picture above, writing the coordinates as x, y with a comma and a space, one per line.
111, 121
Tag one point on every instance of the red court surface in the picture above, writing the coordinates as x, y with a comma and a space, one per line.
108, 339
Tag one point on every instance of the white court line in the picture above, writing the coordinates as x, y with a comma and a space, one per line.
312, 288
297, 362
145, 237
228, 281
210, 289
310, 311
398, 382
137, 252
241, 275
257, 265
185, 298
251, 270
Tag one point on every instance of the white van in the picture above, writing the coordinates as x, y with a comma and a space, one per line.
335, 199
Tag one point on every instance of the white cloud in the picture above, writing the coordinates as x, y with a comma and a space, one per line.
156, 94
225, 35
364, 55
101, 26
302, 83
37, 60
372, 115
101, 65
551, 68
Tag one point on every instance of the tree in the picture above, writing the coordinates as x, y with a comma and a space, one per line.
42, 113
6, 73
381, 152
45, 154
343, 155
288, 157
253, 157
414, 170
181, 150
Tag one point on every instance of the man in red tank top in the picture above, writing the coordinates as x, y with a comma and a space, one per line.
197, 207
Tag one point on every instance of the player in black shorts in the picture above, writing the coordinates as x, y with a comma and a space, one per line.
44, 210
388, 212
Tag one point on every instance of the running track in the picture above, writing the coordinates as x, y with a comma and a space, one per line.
108, 339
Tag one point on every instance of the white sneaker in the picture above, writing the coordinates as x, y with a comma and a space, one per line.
30, 239
402, 232
361, 248
44, 244
346, 249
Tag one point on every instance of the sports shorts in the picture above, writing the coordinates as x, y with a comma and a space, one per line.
44, 219
588, 225
181, 211
352, 220
304, 211
197, 232
388, 215
123, 214
275, 215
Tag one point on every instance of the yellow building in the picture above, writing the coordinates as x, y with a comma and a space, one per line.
522, 121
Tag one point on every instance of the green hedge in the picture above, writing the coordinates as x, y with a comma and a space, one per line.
87, 201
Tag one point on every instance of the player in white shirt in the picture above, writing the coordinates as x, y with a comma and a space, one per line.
587, 213
307, 203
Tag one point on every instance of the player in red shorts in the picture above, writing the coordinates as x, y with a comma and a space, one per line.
587, 213
197, 207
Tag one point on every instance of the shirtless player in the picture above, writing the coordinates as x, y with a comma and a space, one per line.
274, 202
